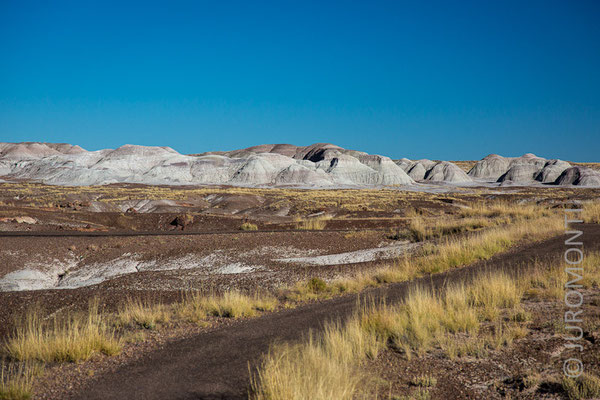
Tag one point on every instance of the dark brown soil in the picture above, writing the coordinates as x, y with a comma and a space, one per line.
158, 285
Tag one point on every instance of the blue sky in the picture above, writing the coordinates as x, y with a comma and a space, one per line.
438, 79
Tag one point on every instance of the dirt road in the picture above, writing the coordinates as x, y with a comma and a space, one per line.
216, 365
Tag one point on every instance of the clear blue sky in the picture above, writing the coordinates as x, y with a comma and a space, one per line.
437, 79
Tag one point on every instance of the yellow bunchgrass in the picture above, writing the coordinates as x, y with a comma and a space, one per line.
142, 313
493, 292
591, 212
506, 209
72, 338
328, 365
456, 252
16, 380
421, 229
549, 282
196, 306
586, 386
312, 223
449, 253
545, 283
247, 226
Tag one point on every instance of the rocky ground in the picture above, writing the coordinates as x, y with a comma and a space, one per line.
530, 368
61, 247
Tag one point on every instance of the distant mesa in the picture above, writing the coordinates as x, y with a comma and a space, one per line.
317, 165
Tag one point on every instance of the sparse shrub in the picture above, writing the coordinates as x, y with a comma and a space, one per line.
247, 226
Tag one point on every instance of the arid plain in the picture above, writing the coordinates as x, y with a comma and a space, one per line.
377, 290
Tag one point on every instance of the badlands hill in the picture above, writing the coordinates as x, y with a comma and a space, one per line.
529, 169
317, 165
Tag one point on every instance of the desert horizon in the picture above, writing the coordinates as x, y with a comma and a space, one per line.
382, 200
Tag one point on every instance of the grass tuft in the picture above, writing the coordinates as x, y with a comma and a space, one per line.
587, 386
420, 229
71, 339
591, 213
313, 223
143, 314
16, 381
195, 307
247, 226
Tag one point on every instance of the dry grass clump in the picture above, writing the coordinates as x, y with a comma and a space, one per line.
586, 386
549, 282
71, 339
453, 320
591, 213
195, 306
354, 283
591, 270
142, 313
505, 209
16, 381
451, 253
545, 283
424, 318
463, 251
313, 223
420, 230
312, 289
424, 381
323, 368
492, 292
327, 366
247, 226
